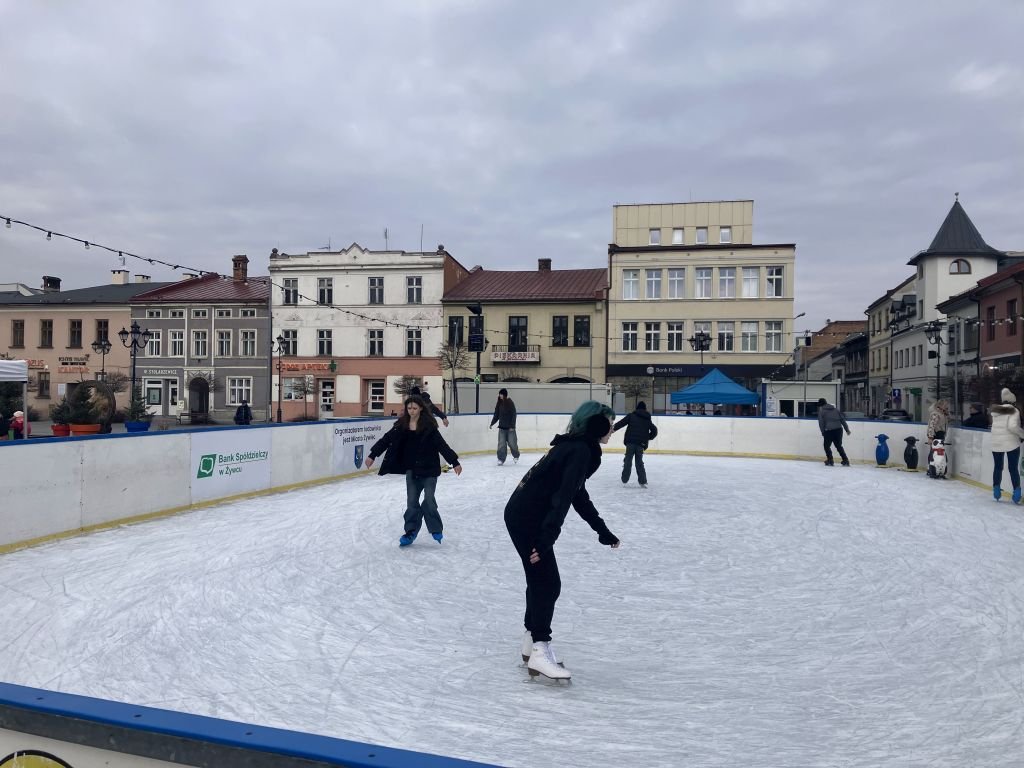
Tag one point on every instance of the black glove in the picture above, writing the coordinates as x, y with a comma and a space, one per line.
607, 537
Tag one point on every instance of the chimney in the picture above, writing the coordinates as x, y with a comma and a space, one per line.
119, 276
51, 284
239, 268
544, 265
188, 276
141, 278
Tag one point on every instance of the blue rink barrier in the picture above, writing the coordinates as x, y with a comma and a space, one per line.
124, 730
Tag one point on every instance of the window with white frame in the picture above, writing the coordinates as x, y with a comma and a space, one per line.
773, 283
177, 343
677, 236
291, 342
654, 236
748, 337
325, 290
200, 314
247, 343
726, 334
375, 337
324, 342
652, 337
702, 283
223, 343
631, 284
773, 336
375, 395
155, 346
376, 290
413, 342
292, 387
727, 282
247, 313
676, 283
223, 313
675, 335
725, 235
290, 291
414, 290
176, 313
152, 313
239, 389
751, 282
629, 334
200, 343
653, 283
702, 235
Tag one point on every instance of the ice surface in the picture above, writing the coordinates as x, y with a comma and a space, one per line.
759, 614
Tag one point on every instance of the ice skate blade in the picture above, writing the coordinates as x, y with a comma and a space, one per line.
540, 675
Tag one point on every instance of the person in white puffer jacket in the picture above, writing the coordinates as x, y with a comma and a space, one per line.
1007, 435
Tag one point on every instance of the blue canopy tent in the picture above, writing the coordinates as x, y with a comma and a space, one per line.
716, 387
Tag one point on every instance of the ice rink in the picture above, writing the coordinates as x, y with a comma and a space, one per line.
759, 614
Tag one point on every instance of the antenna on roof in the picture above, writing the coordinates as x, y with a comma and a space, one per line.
385, 238
325, 247
421, 238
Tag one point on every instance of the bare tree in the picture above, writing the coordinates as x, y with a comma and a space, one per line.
635, 387
303, 386
117, 381
404, 384
453, 357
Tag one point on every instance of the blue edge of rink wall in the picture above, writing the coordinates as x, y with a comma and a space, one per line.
30, 714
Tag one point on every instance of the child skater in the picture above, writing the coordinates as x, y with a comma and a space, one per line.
412, 446
534, 516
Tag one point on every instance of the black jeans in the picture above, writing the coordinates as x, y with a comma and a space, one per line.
634, 452
834, 436
543, 585
1013, 464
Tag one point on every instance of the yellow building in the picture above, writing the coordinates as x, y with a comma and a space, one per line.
683, 272
540, 326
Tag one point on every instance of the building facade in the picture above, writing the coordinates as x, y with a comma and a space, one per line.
375, 316
683, 272
881, 327
210, 346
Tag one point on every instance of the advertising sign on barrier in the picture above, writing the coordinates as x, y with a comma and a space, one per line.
352, 443
230, 462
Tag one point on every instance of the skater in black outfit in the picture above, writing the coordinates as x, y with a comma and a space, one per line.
534, 516
831, 422
639, 430
505, 418
425, 396
412, 446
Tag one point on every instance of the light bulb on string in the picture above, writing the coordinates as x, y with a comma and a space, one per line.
87, 245
49, 235
8, 223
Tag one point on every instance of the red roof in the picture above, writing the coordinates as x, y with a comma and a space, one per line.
209, 288
537, 285
1001, 275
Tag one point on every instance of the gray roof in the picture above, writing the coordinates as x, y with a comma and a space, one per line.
958, 237
99, 294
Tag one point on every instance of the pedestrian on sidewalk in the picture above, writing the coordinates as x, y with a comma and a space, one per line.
639, 430
505, 418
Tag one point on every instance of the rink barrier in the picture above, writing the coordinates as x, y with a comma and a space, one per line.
80, 731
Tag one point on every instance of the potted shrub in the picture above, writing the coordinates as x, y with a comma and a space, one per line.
83, 416
60, 414
136, 415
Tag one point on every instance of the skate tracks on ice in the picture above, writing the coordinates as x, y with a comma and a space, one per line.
759, 614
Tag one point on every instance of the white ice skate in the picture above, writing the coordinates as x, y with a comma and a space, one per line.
543, 662
527, 649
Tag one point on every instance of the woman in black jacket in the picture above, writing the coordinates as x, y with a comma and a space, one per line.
534, 516
412, 446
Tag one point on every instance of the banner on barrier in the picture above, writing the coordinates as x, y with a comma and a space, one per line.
228, 463
352, 443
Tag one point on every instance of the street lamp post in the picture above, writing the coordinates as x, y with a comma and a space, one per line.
102, 347
701, 342
282, 346
134, 340
934, 333
476, 344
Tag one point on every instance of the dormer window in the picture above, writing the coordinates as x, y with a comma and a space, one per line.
960, 267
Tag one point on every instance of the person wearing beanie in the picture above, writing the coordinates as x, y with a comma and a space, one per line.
831, 424
1006, 438
411, 448
639, 431
425, 396
19, 427
534, 517
505, 418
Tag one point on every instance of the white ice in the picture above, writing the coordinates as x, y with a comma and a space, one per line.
759, 614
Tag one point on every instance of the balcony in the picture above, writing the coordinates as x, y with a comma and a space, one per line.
515, 353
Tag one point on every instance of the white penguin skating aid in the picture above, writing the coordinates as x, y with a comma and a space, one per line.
938, 463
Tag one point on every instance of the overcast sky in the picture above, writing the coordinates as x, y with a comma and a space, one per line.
192, 131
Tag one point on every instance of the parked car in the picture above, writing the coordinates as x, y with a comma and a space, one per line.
855, 414
895, 414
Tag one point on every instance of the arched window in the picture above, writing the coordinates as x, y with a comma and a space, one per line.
960, 267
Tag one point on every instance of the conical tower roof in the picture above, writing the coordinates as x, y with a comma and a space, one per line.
958, 237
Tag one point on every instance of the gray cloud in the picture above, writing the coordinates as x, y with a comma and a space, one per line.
192, 131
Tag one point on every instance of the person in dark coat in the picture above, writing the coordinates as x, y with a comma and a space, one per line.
977, 418
412, 446
831, 424
534, 517
5, 426
505, 418
243, 414
639, 430
425, 396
